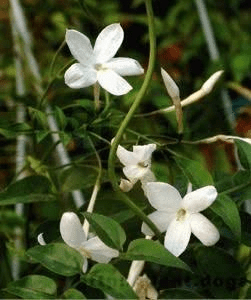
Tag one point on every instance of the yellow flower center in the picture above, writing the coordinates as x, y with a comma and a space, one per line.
181, 214
84, 252
143, 164
100, 67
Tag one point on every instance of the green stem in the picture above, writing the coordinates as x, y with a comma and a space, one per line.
125, 122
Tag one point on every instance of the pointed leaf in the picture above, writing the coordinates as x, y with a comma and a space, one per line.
33, 287
244, 151
74, 178
196, 173
226, 208
73, 294
59, 258
27, 190
109, 280
107, 229
222, 272
153, 251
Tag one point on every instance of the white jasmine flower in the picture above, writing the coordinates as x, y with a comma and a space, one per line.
97, 64
74, 236
180, 217
137, 163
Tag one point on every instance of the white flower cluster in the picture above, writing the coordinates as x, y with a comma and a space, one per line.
178, 217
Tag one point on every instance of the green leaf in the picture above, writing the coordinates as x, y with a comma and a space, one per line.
27, 185
222, 274
244, 152
109, 280
238, 181
246, 229
73, 294
107, 229
33, 287
60, 117
59, 258
153, 251
13, 130
226, 208
9, 220
179, 294
27, 190
39, 115
75, 178
196, 173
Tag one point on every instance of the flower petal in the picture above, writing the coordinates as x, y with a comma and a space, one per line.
71, 230
99, 251
161, 219
200, 199
126, 157
41, 240
134, 173
148, 177
163, 196
80, 47
125, 66
85, 265
78, 76
113, 83
144, 152
204, 230
108, 42
177, 236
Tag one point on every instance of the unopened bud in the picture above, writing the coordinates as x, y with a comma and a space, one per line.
41, 240
170, 85
125, 185
209, 84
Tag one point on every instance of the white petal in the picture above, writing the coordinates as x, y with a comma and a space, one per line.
80, 47
71, 230
99, 251
170, 85
200, 199
134, 173
204, 230
41, 240
163, 196
177, 236
126, 157
148, 177
161, 219
125, 66
113, 83
108, 42
144, 152
85, 265
78, 76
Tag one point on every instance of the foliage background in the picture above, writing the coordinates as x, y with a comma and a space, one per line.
182, 51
